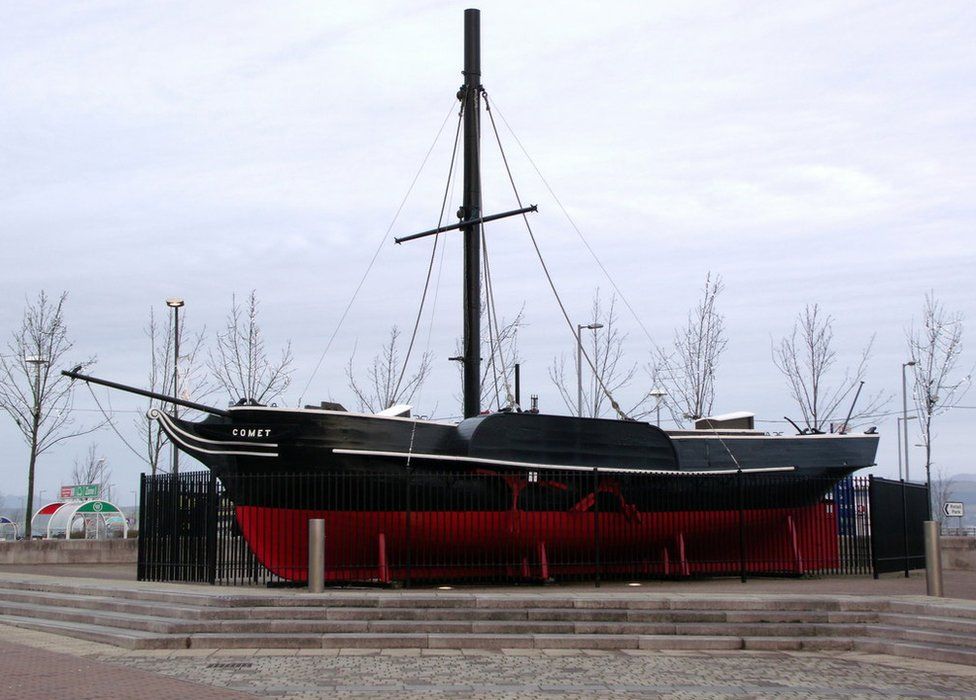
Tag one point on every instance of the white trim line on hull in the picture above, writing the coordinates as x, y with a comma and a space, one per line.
558, 467
175, 432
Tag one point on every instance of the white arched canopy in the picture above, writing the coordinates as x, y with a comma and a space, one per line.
8, 528
98, 520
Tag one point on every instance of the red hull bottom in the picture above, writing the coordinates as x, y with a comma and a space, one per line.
520, 545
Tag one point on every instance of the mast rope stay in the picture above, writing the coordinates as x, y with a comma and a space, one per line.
579, 232
495, 349
552, 285
433, 256
376, 255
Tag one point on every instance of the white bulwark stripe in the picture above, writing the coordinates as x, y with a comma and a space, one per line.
557, 467
183, 439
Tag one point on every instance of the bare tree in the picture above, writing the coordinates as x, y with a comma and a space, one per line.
32, 389
605, 348
241, 365
807, 357
934, 348
943, 489
387, 383
500, 353
90, 469
687, 370
192, 381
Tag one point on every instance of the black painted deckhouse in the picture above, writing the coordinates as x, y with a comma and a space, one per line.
531, 462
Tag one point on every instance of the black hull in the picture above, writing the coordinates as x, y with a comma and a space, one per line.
505, 461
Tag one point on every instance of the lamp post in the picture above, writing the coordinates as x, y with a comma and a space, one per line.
579, 361
100, 470
658, 394
898, 424
175, 304
904, 408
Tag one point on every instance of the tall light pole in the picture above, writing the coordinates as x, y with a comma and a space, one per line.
658, 394
898, 423
904, 409
175, 304
579, 361
100, 470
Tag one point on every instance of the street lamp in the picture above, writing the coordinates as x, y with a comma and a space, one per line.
658, 394
175, 304
100, 470
904, 408
898, 424
579, 361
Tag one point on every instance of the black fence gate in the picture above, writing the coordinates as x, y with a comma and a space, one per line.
190, 529
898, 510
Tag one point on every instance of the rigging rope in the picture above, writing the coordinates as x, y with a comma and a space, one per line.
545, 269
108, 419
492, 309
494, 330
433, 256
576, 228
376, 254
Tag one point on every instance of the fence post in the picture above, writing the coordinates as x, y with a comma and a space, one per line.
316, 555
742, 527
933, 558
904, 524
596, 524
409, 551
176, 571
212, 506
873, 539
141, 541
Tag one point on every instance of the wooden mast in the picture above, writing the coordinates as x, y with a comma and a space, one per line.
470, 94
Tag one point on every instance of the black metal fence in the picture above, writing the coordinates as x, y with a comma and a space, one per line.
477, 526
898, 510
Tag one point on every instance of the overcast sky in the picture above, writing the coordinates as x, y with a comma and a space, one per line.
807, 152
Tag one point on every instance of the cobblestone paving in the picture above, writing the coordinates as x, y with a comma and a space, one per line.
557, 674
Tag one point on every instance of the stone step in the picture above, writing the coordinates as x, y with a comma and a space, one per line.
935, 607
127, 639
110, 604
930, 652
245, 626
926, 636
945, 624
126, 621
147, 616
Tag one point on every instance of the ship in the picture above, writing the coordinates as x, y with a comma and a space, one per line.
510, 480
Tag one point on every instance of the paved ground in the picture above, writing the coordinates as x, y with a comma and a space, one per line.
957, 584
34, 665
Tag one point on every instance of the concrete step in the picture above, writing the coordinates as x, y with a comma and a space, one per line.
942, 624
127, 621
110, 604
127, 639
930, 652
143, 616
925, 636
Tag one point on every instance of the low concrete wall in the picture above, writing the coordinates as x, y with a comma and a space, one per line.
69, 552
959, 553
